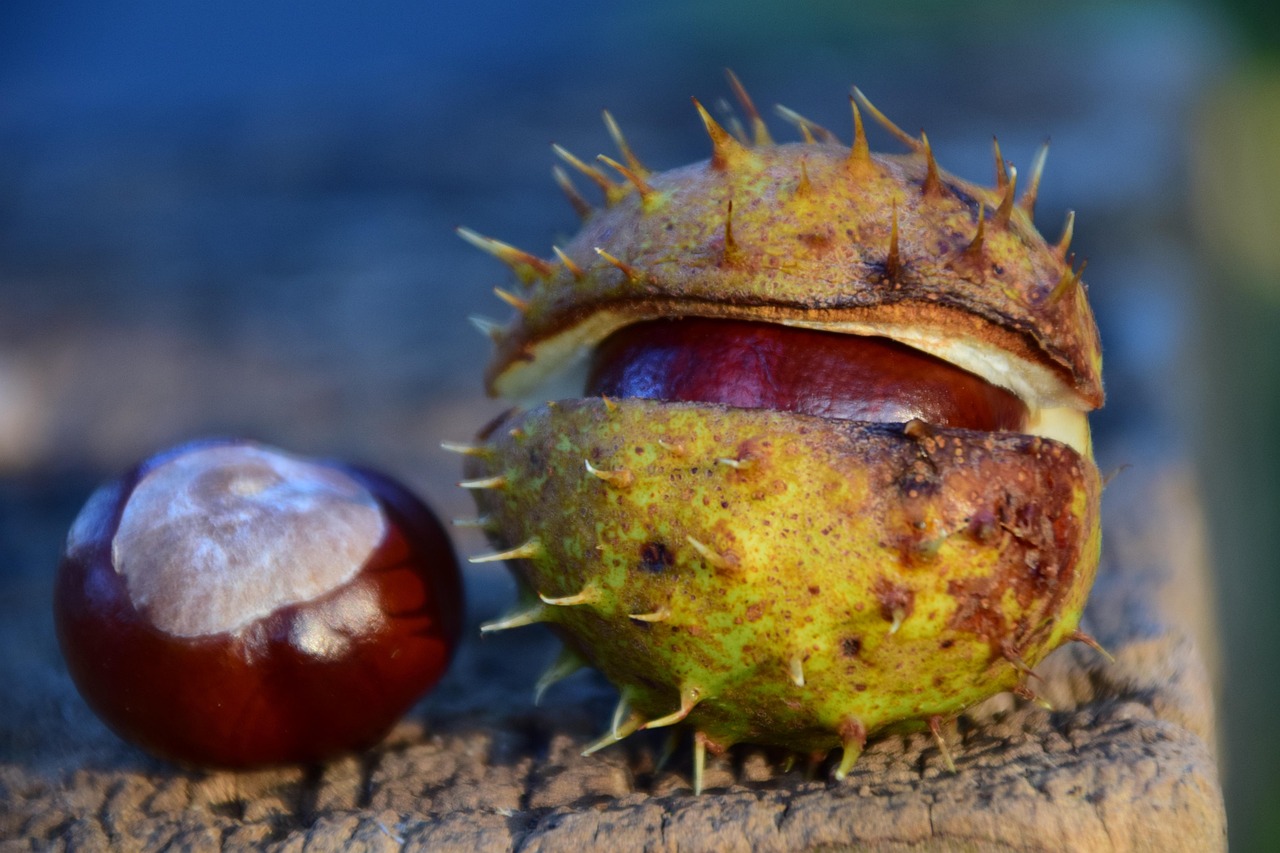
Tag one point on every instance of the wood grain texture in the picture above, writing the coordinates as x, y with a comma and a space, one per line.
1126, 761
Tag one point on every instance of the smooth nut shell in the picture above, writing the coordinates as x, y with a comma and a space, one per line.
256, 695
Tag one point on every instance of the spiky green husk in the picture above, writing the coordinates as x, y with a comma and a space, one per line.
772, 577
782, 579
806, 234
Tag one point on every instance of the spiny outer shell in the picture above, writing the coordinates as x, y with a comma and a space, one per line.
810, 247
982, 545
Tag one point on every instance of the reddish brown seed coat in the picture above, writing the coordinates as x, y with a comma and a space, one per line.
760, 365
253, 697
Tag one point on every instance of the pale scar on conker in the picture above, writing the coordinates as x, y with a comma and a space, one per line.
228, 604
818, 465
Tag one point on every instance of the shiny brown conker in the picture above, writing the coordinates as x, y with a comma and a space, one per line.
753, 365
228, 604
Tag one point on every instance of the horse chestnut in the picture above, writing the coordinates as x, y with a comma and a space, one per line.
764, 366
830, 473
228, 604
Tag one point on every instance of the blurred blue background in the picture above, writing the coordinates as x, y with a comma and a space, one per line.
237, 217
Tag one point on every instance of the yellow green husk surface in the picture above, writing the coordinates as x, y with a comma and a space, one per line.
777, 578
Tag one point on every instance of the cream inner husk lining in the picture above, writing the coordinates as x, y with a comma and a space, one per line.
560, 367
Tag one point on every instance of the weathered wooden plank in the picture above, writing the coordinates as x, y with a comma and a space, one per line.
1126, 762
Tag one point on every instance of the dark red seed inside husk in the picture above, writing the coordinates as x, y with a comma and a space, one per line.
763, 365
